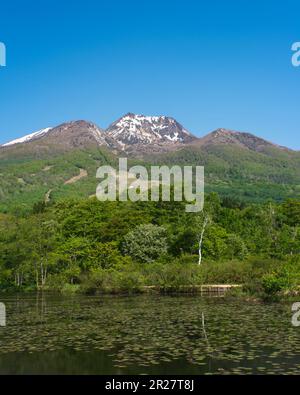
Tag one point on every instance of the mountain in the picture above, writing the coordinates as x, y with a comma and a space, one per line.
238, 139
131, 133
135, 133
61, 162
137, 130
77, 134
51, 141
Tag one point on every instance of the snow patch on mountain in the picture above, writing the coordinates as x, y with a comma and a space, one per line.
28, 137
134, 129
97, 133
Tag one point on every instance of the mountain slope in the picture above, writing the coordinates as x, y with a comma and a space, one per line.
38, 166
252, 172
51, 141
28, 137
238, 139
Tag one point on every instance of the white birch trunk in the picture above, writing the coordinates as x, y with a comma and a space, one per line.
201, 239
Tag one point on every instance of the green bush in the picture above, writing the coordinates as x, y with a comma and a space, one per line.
286, 276
126, 278
146, 243
272, 284
172, 275
229, 272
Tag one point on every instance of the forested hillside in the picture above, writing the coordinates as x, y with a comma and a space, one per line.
230, 171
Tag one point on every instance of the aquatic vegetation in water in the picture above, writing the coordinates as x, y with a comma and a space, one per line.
144, 334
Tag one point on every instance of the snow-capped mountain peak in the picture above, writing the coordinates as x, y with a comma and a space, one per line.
140, 129
28, 137
129, 133
68, 134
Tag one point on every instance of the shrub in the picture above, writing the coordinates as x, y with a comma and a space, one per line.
125, 278
172, 275
146, 243
229, 272
107, 255
272, 284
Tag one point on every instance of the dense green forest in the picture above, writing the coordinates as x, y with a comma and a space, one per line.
230, 171
90, 246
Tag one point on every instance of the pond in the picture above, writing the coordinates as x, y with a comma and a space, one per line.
147, 334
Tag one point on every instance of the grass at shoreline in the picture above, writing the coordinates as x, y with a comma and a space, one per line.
258, 278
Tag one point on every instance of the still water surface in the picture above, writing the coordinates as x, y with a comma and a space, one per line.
147, 335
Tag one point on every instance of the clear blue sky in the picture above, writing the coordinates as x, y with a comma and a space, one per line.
209, 64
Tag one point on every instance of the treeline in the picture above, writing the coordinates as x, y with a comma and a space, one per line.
90, 245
